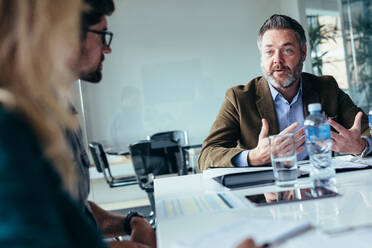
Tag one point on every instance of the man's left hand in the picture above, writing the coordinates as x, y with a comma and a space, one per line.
348, 140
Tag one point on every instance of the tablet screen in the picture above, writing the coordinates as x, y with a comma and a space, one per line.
292, 195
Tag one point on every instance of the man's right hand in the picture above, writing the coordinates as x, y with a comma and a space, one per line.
261, 154
248, 243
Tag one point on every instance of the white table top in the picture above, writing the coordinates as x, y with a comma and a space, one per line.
352, 208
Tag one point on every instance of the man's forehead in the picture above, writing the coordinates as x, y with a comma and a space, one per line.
282, 37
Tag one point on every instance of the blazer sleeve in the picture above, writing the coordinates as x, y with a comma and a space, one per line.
347, 111
221, 144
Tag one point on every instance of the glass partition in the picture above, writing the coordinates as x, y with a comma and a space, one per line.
357, 35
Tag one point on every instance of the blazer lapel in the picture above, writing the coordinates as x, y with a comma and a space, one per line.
308, 94
265, 105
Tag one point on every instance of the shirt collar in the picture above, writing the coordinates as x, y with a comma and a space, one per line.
275, 93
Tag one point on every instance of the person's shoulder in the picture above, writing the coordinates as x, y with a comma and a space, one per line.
11, 120
15, 132
324, 81
249, 88
8, 120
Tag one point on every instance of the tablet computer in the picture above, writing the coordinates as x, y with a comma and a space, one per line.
292, 195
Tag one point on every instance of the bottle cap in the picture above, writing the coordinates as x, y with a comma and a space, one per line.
314, 107
370, 112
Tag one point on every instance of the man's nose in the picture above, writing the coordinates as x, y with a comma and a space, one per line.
106, 49
278, 58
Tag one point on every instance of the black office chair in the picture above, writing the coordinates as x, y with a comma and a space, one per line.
148, 164
175, 155
191, 155
102, 166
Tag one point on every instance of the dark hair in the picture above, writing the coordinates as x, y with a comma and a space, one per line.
96, 9
282, 22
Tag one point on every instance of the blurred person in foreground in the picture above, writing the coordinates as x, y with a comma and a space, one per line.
38, 44
94, 45
277, 103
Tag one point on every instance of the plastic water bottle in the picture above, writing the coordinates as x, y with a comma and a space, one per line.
370, 120
319, 147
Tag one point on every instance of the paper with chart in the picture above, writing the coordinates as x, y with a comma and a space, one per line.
196, 204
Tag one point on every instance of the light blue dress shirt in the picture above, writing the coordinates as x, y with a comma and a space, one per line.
287, 113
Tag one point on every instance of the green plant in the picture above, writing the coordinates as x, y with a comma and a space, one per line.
358, 41
319, 34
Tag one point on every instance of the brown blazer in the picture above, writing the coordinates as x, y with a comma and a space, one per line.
238, 122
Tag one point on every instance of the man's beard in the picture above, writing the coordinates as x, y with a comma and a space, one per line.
289, 80
93, 77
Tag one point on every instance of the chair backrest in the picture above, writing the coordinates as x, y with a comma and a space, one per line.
147, 160
100, 160
140, 152
179, 136
175, 155
99, 156
102, 165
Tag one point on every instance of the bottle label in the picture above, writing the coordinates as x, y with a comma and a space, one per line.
318, 133
370, 121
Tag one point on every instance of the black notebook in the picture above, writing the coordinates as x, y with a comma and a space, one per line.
244, 179
255, 178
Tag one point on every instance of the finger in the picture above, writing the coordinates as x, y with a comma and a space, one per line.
290, 128
337, 140
300, 141
248, 243
336, 137
300, 132
337, 126
335, 147
285, 148
300, 149
357, 121
264, 130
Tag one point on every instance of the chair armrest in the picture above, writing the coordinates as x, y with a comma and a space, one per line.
192, 146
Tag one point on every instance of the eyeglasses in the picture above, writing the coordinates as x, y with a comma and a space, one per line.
105, 35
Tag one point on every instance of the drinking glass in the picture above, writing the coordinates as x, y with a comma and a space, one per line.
284, 159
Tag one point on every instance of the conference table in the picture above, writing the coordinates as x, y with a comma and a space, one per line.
340, 221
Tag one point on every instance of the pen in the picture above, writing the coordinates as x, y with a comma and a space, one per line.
347, 229
290, 234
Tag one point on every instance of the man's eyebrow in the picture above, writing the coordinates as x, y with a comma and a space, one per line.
284, 45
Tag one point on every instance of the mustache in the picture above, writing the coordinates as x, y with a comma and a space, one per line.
277, 67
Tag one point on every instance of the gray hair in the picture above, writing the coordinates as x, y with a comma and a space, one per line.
282, 22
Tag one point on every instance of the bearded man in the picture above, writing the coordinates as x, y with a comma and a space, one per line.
277, 103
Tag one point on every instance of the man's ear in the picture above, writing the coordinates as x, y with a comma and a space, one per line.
304, 52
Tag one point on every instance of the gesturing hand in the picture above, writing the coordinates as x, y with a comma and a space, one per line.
348, 140
248, 243
261, 154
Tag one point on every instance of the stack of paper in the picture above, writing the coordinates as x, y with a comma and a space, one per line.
230, 235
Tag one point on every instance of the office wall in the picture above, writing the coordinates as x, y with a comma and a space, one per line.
171, 64
322, 7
